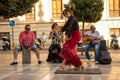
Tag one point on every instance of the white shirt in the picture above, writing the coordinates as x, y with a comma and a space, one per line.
43, 37
96, 34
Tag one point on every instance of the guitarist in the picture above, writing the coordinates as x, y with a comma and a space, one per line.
95, 42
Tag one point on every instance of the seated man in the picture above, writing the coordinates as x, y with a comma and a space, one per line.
42, 40
26, 39
94, 42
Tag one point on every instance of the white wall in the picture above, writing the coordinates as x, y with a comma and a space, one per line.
105, 11
65, 1
43, 10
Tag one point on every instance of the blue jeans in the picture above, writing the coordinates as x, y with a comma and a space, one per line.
18, 48
96, 50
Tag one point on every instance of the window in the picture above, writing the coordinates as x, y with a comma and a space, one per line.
115, 30
30, 16
114, 8
56, 9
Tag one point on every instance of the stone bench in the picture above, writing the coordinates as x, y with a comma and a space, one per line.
26, 57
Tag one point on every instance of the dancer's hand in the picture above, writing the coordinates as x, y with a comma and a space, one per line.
66, 37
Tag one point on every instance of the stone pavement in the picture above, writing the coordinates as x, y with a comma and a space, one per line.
45, 71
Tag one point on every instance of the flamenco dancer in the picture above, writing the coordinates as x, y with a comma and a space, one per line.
73, 36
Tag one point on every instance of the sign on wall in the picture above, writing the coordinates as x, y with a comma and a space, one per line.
12, 23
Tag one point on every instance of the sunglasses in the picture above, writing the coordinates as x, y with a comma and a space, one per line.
27, 29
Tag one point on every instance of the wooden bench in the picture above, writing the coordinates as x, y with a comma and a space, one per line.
26, 57
80, 49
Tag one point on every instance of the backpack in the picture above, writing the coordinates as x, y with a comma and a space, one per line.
104, 56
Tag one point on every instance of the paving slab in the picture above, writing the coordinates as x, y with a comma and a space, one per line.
46, 71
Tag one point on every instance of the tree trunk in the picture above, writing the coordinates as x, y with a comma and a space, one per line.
82, 35
83, 28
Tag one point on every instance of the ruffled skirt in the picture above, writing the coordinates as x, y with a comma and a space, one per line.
68, 51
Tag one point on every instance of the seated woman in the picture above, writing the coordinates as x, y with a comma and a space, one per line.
55, 48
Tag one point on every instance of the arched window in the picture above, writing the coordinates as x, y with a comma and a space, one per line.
114, 8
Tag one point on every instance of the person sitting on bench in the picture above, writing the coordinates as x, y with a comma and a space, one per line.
26, 40
42, 40
93, 41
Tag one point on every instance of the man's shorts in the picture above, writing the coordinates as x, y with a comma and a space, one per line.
19, 48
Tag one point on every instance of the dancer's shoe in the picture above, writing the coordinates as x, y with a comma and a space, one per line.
61, 67
79, 68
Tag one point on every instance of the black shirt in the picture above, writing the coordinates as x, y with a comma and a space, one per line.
71, 24
55, 39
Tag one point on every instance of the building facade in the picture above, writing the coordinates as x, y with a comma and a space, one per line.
45, 12
50, 11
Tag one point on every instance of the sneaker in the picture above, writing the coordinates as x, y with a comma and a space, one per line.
39, 62
96, 62
88, 62
14, 63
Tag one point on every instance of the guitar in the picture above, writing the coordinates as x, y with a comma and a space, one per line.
89, 39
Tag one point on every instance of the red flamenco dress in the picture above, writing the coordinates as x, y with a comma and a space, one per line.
68, 51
